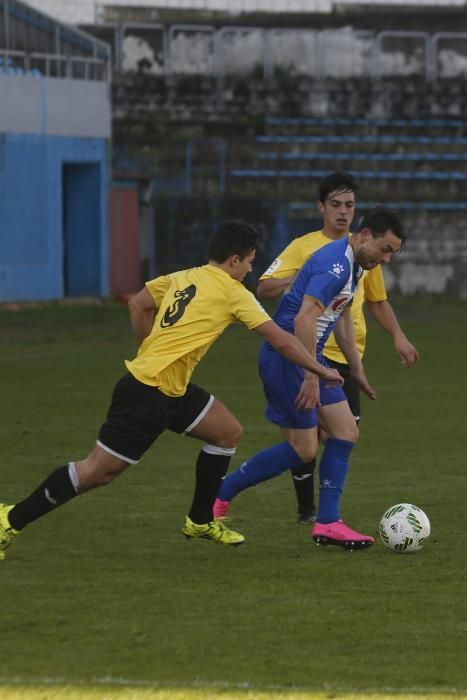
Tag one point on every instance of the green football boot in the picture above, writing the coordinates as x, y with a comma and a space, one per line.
215, 531
6, 531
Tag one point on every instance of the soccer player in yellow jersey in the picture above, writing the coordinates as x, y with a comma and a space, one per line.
193, 308
336, 202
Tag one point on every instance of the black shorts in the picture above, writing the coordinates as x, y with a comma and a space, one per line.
139, 413
350, 389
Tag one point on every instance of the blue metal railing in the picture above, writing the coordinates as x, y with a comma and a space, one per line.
53, 65
58, 35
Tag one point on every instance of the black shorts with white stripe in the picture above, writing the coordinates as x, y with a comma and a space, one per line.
139, 413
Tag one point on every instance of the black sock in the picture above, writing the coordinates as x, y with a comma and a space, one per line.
53, 492
210, 469
304, 487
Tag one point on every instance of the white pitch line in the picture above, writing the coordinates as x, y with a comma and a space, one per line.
226, 685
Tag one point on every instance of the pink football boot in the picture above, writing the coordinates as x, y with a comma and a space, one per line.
339, 534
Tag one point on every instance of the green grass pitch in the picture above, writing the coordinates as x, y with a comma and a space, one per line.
106, 599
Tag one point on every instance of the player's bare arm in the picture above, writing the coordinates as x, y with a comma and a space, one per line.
344, 331
305, 331
271, 287
142, 310
384, 314
289, 346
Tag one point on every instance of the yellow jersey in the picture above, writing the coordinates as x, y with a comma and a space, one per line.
194, 307
370, 287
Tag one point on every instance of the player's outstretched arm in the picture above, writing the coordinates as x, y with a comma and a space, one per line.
270, 288
344, 331
289, 346
142, 309
385, 316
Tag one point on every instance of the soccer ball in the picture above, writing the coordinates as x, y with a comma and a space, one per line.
404, 528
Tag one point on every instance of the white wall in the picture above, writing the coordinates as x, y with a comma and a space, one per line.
57, 107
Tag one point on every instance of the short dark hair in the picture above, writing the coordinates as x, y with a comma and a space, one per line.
337, 182
380, 219
232, 237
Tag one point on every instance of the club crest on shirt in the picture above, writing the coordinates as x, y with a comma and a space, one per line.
337, 269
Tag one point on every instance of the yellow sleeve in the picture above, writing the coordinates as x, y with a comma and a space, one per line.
287, 263
246, 308
374, 287
157, 288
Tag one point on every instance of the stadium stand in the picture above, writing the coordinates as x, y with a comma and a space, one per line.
232, 113
55, 124
374, 150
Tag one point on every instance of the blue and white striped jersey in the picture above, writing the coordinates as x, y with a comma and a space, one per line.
329, 277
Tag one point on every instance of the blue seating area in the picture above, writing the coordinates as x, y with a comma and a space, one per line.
397, 157
341, 121
361, 174
407, 206
400, 160
364, 138
386, 154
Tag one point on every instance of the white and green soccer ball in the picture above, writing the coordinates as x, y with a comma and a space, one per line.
404, 528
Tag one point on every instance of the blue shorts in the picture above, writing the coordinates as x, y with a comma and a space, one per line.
282, 380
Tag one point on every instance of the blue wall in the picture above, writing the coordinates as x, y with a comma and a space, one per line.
32, 204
